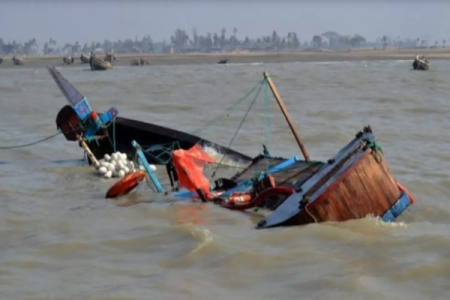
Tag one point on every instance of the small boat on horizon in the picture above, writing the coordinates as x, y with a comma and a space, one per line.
420, 63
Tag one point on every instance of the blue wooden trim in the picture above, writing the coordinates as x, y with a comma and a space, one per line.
93, 126
397, 209
109, 115
147, 168
242, 186
291, 206
83, 109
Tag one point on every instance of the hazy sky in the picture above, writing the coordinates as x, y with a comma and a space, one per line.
85, 21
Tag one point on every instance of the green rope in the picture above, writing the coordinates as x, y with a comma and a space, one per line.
239, 128
114, 133
226, 113
374, 146
32, 143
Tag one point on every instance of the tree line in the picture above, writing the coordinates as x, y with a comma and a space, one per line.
181, 42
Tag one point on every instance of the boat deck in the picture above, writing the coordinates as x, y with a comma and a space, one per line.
287, 176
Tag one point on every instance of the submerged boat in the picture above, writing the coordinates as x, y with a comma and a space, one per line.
106, 133
421, 63
353, 184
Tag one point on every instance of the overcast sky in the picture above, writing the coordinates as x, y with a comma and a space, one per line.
86, 21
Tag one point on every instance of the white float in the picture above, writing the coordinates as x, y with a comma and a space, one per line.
117, 165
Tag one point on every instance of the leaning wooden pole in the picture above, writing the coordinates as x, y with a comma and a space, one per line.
286, 115
89, 153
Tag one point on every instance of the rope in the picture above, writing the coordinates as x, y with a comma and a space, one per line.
238, 129
32, 143
375, 148
114, 133
226, 113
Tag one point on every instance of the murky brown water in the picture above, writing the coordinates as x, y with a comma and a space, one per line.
60, 239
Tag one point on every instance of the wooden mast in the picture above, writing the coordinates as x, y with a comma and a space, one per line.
286, 115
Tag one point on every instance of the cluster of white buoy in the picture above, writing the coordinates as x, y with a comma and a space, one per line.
117, 165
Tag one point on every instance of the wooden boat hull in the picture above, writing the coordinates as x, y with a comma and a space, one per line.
98, 64
152, 136
420, 65
356, 183
123, 131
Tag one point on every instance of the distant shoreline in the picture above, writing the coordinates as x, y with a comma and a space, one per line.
247, 57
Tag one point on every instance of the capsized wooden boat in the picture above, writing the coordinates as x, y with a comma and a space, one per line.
98, 64
354, 184
421, 63
115, 133
17, 61
85, 59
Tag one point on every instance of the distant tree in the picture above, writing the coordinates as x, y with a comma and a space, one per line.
385, 41
195, 37
332, 37
317, 41
357, 40
223, 38
295, 41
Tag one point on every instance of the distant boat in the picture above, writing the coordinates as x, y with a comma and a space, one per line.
98, 64
68, 60
1, 60
17, 61
84, 58
139, 61
421, 63
223, 61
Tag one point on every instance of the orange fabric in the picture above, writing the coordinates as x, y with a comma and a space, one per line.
189, 166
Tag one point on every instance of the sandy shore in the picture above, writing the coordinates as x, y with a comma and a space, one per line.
270, 57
